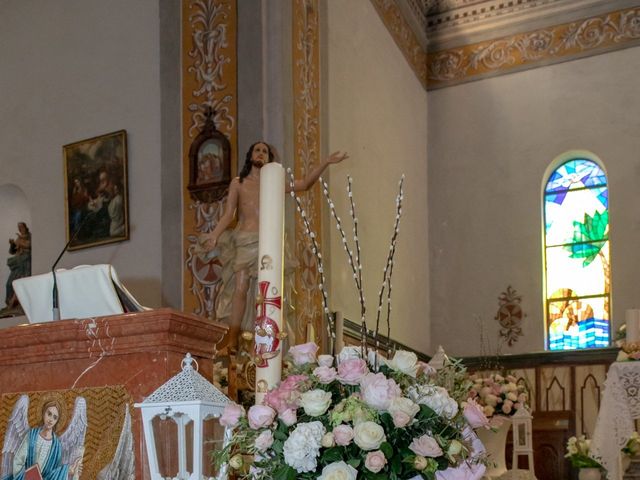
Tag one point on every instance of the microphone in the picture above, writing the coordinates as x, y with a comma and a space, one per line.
56, 297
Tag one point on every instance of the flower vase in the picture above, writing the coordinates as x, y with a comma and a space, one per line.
589, 474
495, 442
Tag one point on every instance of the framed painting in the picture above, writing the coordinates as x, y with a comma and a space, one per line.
96, 194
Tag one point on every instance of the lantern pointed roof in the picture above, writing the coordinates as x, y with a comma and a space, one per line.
188, 386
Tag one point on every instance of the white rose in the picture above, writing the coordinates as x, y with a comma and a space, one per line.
369, 435
328, 440
404, 362
315, 402
338, 471
512, 396
436, 398
403, 405
348, 352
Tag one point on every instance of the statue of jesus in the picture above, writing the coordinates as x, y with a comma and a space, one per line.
239, 248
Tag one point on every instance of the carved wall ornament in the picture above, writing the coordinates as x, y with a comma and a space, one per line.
306, 117
209, 84
510, 315
404, 37
536, 48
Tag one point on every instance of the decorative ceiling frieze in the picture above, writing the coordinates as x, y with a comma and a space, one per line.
468, 40
536, 48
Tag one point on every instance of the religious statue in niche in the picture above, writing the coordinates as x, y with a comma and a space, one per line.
40, 452
510, 315
19, 264
239, 247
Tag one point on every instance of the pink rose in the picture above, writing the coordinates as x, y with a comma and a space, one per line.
400, 419
325, 360
351, 371
375, 461
378, 391
288, 417
304, 353
507, 407
343, 435
261, 416
264, 440
287, 394
425, 446
474, 414
231, 415
325, 374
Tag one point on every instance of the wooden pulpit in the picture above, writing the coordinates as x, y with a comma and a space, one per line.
136, 352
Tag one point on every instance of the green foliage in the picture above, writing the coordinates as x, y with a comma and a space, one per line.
593, 231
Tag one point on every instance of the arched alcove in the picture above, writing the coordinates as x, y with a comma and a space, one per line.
14, 208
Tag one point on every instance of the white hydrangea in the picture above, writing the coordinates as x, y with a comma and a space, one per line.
436, 398
302, 447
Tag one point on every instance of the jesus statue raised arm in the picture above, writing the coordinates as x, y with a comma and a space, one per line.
239, 247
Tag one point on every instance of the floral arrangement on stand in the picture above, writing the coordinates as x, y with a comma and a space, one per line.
498, 394
579, 453
355, 414
339, 418
629, 351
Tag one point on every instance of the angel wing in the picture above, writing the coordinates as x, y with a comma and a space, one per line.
17, 428
122, 467
72, 440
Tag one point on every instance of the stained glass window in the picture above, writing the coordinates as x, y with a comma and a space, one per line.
576, 245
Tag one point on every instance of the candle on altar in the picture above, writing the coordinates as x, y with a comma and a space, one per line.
268, 328
632, 320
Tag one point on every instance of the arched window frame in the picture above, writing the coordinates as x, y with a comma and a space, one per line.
558, 162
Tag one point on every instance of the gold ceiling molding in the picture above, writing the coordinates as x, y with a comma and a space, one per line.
404, 37
209, 80
306, 118
540, 47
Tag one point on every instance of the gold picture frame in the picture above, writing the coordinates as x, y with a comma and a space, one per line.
96, 191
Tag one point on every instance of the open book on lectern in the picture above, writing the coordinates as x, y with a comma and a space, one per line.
84, 291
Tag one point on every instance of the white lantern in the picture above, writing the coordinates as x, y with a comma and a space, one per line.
176, 419
522, 438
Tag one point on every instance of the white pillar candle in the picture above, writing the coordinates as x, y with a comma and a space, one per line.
268, 328
632, 319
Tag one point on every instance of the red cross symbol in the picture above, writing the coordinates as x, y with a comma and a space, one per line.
267, 333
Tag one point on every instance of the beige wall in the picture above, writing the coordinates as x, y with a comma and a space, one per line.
377, 111
491, 143
70, 71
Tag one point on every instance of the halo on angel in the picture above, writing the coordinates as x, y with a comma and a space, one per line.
41, 451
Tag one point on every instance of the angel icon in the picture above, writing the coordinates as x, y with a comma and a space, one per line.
38, 453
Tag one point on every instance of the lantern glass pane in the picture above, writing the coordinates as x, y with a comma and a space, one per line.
213, 436
173, 437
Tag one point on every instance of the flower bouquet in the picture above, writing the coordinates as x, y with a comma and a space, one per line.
579, 453
339, 418
498, 394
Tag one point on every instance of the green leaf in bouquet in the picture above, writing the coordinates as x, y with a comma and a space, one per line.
354, 462
280, 435
331, 455
285, 472
387, 449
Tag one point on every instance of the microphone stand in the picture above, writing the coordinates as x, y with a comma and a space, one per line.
56, 298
